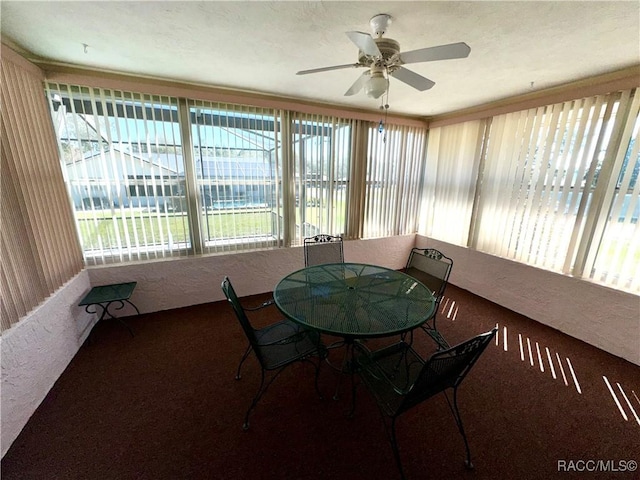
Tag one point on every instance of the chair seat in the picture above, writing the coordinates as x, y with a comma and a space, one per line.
285, 341
390, 373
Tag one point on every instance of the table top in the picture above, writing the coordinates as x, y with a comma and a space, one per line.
109, 293
354, 300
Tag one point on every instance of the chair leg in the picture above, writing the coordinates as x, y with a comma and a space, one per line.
244, 357
442, 343
435, 335
317, 367
261, 391
403, 337
458, 419
245, 425
394, 446
263, 388
344, 367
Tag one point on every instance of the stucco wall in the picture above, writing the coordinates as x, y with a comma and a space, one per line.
180, 282
605, 318
36, 351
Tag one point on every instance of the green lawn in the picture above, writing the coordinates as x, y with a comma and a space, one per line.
105, 230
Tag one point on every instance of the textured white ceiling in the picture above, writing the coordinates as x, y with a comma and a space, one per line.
259, 46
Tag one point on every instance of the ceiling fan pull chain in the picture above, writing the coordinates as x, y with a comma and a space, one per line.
384, 105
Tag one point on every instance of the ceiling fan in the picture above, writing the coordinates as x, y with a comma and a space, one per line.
382, 58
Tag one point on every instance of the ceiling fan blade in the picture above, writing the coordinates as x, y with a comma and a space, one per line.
358, 84
412, 79
441, 52
365, 42
326, 69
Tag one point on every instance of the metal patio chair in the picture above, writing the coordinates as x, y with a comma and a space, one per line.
275, 346
399, 380
432, 268
323, 248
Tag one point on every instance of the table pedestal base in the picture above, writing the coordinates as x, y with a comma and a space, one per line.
346, 369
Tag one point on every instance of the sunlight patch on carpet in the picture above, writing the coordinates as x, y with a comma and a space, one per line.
628, 403
620, 404
553, 370
564, 377
539, 357
449, 309
521, 349
615, 398
573, 374
533, 350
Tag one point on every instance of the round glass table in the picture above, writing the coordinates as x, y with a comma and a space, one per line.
353, 300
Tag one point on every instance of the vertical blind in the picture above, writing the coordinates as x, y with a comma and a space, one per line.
357, 186
556, 187
321, 163
148, 177
615, 259
539, 172
453, 159
394, 180
38, 248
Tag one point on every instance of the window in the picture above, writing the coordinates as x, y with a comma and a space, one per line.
236, 157
122, 162
556, 187
152, 177
540, 171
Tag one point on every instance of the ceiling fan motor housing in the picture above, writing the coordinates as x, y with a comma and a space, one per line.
388, 48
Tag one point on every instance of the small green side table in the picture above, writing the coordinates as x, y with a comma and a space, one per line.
105, 296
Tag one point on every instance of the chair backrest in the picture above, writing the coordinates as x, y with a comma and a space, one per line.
431, 267
446, 369
321, 249
230, 293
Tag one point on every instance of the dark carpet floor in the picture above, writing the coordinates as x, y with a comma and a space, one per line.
165, 405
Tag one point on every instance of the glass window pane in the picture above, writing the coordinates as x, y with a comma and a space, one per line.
235, 151
121, 154
321, 149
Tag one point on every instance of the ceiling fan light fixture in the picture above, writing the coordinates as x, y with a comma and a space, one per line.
376, 85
